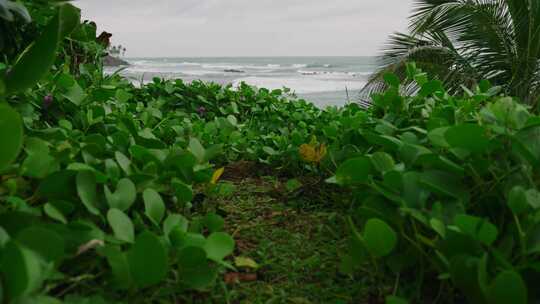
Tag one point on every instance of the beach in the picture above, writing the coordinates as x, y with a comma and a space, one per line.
325, 81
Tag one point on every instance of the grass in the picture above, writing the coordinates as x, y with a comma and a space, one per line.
295, 241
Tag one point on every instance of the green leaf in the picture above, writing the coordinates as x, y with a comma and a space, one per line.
153, 205
75, 94
47, 243
123, 161
508, 287
11, 135
119, 265
270, 151
480, 229
36, 60
218, 246
379, 237
183, 192
382, 162
395, 300
469, 137
175, 221
39, 162
194, 269
20, 269
197, 149
86, 188
121, 225
431, 87
444, 183
354, 171
148, 260
533, 198
214, 222
124, 196
517, 200
54, 213
391, 79
438, 226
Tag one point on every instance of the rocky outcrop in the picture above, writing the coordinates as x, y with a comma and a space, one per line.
111, 61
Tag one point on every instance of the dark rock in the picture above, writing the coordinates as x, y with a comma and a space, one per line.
114, 62
233, 71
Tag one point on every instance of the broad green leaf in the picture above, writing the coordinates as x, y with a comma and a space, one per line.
123, 161
533, 198
86, 188
437, 137
148, 260
153, 205
20, 270
197, 149
175, 221
214, 222
517, 200
463, 271
444, 183
431, 87
36, 60
11, 135
391, 79
121, 225
124, 196
75, 94
54, 213
508, 287
354, 171
194, 269
183, 192
379, 237
480, 229
469, 137
382, 162
218, 246
438, 226
47, 243
39, 163
119, 265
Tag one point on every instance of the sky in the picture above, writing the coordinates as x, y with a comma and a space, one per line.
210, 28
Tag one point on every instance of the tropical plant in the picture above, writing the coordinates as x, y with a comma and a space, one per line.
462, 42
447, 194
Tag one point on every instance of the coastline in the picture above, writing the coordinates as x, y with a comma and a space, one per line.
324, 81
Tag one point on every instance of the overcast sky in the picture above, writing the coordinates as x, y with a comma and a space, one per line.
182, 28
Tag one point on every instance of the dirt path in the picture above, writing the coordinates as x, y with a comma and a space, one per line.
296, 242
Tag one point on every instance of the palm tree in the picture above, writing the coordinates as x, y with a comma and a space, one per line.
461, 42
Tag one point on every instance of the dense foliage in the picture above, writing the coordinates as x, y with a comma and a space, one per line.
448, 194
107, 189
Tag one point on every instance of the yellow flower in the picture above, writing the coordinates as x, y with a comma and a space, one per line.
312, 152
217, 174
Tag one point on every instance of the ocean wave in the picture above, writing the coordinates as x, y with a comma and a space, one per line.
319, 65
330, 74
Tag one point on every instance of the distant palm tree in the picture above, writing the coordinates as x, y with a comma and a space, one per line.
462, 42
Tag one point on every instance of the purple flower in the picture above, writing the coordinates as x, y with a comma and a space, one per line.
201, 110
47, 101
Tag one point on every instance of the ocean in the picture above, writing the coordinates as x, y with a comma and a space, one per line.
322, 80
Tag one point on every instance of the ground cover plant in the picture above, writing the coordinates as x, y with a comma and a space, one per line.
174, 192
